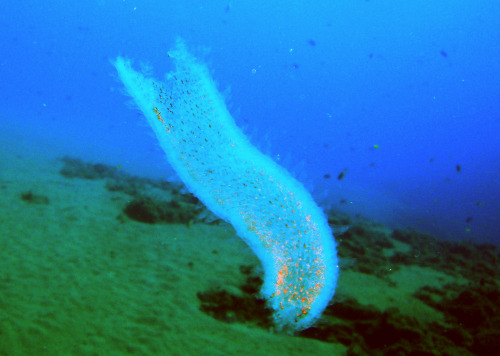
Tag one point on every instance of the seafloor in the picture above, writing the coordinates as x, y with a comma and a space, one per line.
94, 261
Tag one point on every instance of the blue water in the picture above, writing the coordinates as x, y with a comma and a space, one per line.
400, 96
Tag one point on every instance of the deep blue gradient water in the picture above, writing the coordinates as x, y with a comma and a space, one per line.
400, 96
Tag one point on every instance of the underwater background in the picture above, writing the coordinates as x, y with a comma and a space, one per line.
387, 111
401, 98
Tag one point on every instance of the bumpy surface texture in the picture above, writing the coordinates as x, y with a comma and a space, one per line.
270, 210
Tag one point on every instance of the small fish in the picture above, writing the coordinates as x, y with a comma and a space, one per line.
340, 229
469, 219
444, 54
327, 176
458, 168
342, 174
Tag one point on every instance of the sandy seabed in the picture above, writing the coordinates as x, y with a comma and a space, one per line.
76, 280
77, 277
